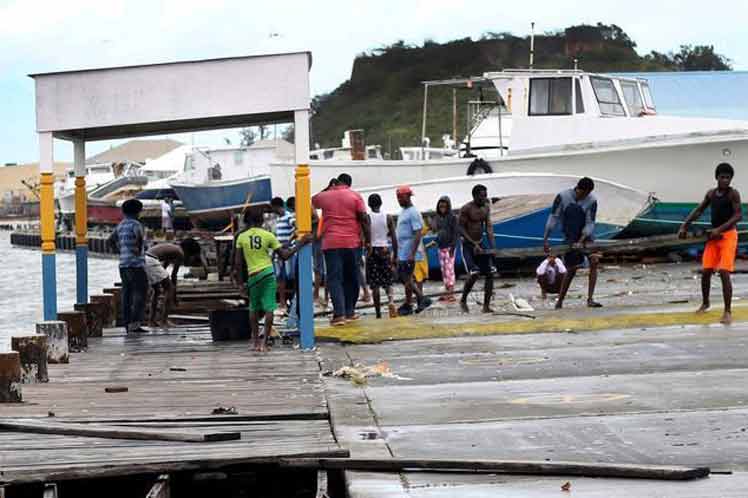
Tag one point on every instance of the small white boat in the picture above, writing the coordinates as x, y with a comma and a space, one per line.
522, 202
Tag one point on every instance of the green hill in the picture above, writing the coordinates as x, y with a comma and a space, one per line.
384, 95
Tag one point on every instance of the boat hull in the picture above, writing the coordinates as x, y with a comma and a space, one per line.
665, 218
210, 206
679, 173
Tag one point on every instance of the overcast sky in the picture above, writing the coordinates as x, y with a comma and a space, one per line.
40, 36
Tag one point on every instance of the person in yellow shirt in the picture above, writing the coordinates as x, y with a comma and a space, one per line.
254, 249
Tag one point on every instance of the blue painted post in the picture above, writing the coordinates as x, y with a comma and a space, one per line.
306, 273
49, 284
81, 274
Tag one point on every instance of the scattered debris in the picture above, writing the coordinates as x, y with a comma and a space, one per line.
177, 369
520, 304
678, 301
358, 373
225, 411
116, 389
566, 486
50, 413
507, 285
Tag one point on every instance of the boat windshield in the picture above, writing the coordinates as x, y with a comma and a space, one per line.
632, 97
607, 96
648, 100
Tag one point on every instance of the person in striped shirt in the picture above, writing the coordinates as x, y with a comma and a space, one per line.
285, 232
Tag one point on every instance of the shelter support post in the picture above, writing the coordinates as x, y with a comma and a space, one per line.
81, 223
47, 219
303, 227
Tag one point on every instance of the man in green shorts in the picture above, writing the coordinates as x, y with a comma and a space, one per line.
255, 248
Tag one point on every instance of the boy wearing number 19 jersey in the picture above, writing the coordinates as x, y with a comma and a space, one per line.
255, 248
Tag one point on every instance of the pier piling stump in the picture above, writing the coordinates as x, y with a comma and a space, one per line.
10, 378
77, 330
56, 332
32, 353
109, 308
117, 303
95, 313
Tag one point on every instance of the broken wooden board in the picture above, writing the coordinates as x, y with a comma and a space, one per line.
113, 432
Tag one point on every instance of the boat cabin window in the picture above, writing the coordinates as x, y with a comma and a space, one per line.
632, 97
648, 101
580, 100
607, 97
550, 96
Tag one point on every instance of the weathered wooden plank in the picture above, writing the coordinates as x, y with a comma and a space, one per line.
581, 469
108, 431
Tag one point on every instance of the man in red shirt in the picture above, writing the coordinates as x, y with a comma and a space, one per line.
345, 218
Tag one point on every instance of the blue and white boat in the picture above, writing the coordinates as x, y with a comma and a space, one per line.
210, 205
521, 203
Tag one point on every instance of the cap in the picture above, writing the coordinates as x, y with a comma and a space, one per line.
404, 189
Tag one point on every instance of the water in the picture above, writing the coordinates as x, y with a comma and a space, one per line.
21, 286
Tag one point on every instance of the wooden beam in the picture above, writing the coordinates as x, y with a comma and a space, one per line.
41, 473
580, 469
160, 488
113, 432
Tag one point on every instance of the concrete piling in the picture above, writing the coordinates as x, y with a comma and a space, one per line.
10, 378
77, 330
56, 332
32, 353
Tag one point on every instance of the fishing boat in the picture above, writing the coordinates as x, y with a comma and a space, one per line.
568, 122
211, 205
521, 203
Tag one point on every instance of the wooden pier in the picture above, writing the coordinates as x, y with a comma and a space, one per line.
175, 381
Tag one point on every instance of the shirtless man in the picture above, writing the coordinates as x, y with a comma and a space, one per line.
474, 221
719, 253
157, 259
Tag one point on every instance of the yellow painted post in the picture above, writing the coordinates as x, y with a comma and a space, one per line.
303, 200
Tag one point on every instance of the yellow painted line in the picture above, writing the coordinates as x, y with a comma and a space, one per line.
404, 328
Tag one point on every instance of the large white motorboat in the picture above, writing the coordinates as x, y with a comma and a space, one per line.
567, 122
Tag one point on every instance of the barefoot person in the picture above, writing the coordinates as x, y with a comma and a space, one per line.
255, 248
474, 221
720, 249
575, 209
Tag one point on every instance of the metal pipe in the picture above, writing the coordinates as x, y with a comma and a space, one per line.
425, 110
532, 44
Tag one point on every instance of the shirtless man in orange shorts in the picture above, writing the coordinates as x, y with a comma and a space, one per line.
719, 253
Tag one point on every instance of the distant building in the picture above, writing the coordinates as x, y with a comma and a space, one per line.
18, 182
136, 151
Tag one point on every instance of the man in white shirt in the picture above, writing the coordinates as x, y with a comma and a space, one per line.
550, 275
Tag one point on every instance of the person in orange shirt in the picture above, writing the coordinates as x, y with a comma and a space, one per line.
720, 249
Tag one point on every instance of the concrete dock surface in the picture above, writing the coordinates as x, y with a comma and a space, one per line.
669, 395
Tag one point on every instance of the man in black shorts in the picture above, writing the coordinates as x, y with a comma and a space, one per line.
474, 221
575, 209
